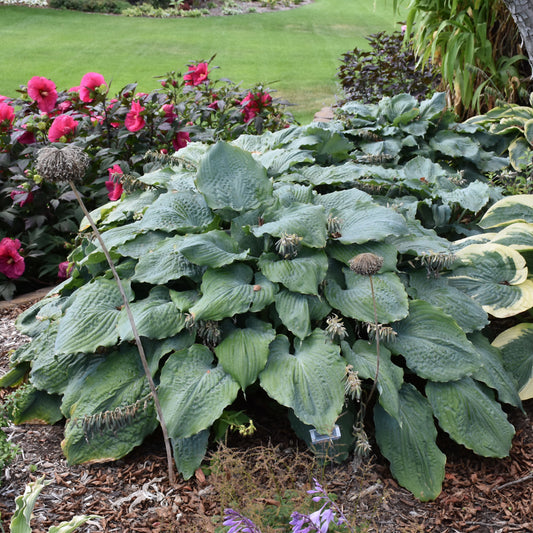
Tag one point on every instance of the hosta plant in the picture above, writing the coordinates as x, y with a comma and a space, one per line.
238, 262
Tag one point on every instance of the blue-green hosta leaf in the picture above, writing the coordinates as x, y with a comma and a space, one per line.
190, 452
243, 353
302, 274
293, 310
518, 236
289, 193
450, 143
31, 323
492, 371
310, 380
161, 177
508, 210
120, 235
418, 240
192, 154
495, 276
111, 413
43, 343
520, 154
471, 417
141, 244
182, 212
433, 345
91, 321
346, 173
345, 252
516, 345
437, 291
363, 358
473, 197
422, 167
281, 160
212, 249
37, 407
231, 178
229, 291
165, 262
339, 201
432, 107
409, 444
356, 301
389, 147
193, 393
306, 221
155, 317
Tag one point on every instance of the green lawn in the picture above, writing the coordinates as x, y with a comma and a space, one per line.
295, 52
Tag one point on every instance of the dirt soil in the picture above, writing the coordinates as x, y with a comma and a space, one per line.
133, 494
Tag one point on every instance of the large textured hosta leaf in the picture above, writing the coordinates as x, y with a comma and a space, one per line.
518, 236
231, 178
37, 407
183, 212
437, 291
363, 357
433, 345
213, 249
419, 240
111, 413
306, 221
356, 300
310, 381
473, 197
516, 345
293, 310
409, 444
243, 353
495, 276
190, 452
141, 244
229, 291
193, 393
470, 417
91, 321
165, 262
508, 210
302, 274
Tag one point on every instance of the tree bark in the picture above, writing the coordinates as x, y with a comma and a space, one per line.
522, 13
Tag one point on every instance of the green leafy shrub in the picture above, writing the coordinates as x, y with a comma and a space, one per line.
388, 68
238, 262
91, 6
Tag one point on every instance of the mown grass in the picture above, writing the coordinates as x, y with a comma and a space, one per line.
295, 52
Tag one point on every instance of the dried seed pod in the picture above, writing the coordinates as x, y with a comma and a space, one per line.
62, 164
366, 264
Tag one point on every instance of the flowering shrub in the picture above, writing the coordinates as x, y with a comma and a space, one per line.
117, 132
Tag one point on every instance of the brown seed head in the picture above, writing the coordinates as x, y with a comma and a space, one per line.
366, 264
62, 164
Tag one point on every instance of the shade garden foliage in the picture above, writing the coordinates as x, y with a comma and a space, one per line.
236, 261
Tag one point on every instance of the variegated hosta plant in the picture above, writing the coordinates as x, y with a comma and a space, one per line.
236, 261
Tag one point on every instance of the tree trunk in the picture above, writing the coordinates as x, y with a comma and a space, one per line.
522, 13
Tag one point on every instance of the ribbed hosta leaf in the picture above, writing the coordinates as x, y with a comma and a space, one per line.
437, 291
37, 407
213, 249
472, 197
243, 353
289, 193
409, 444
182, 212
518, 236
161, 177
165, 262
508, 210
455, 145
293, 310
495, 276
111, 413
155, 317
91, 321
419, 240
190, 452
193, 393
470, 417
141, 244
306, 221
281, 160
335, 202
433, 345
231, 178
363, 358
310, 380
516, 345
345, 252
302, 274
356, 300
229, 291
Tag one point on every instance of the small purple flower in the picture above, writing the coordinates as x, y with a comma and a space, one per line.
239, 523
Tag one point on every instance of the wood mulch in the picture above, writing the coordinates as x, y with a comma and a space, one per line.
133, 494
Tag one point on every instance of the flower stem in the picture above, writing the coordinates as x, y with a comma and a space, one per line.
142, 355
376, 325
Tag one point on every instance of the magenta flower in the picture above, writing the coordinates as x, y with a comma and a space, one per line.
197, 74
43, 91
181, 140
21, 196
7, 116
134, 120
88, 85
65, 270
63, 126
11, 262
253, 104
168, 111
113, 185
26, 137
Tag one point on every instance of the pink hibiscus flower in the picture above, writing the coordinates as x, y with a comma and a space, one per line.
43, 91
7, 117
21, 196
134, 120
88, 85
4, 98
181, 140
252, 104
197, 74
113, 185
168, 111
65, 270
63, 126
26, 137
11, 262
